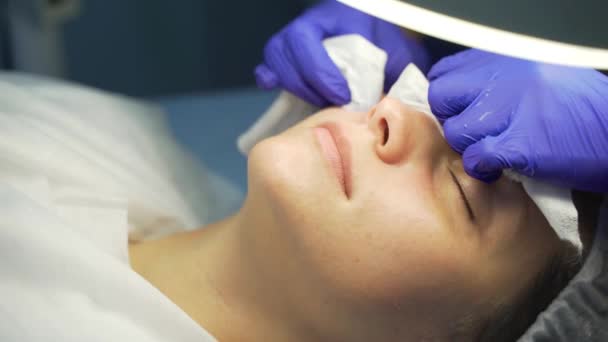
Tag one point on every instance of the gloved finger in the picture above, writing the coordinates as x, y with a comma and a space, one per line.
265, 78
480, 119
452, 63
279, 59
451, 94
392, 40
486, 159
300, 88
315, 66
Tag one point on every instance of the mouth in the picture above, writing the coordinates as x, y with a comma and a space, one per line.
336, 150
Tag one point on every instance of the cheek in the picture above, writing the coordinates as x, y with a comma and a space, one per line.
404, 244
410, 260
286, 169
381, 250
287, 178
390, 246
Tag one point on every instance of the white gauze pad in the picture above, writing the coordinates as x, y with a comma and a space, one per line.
361, 63
556, 205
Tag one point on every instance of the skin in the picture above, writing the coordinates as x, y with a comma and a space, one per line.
394, 257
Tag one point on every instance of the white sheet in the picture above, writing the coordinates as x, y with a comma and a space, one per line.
81, 172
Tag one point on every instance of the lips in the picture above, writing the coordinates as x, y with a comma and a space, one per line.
336, 149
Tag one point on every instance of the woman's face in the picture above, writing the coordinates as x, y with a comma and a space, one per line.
373, 212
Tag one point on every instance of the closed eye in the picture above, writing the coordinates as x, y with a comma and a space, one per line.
463, 196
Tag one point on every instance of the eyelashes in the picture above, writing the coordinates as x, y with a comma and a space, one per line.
463, 196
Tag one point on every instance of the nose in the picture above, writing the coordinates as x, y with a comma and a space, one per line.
401, 133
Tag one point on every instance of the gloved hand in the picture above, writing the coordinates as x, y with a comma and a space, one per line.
295, 58
544, 121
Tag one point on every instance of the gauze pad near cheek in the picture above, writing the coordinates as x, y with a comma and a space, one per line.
556, 205
362, 65
554, 202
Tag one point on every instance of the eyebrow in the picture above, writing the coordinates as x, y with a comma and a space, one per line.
463, 196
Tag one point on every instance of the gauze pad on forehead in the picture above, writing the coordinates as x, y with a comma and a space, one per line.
362, 64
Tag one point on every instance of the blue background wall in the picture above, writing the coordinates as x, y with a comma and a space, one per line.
159, 47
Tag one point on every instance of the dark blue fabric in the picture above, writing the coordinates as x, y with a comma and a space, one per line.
156, 47
5, 59
580, 313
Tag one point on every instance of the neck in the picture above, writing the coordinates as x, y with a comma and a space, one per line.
236, 281
209, 274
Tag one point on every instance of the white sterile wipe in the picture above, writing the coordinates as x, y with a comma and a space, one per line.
363, 65
411, 89
556, 204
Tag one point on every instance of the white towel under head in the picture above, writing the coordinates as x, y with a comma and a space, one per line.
362, 64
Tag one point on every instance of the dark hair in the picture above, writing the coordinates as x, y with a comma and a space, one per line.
511, 321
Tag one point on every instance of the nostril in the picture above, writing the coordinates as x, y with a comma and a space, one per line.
385, 131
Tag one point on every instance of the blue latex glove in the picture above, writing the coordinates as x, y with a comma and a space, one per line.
544, 121
296, 60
